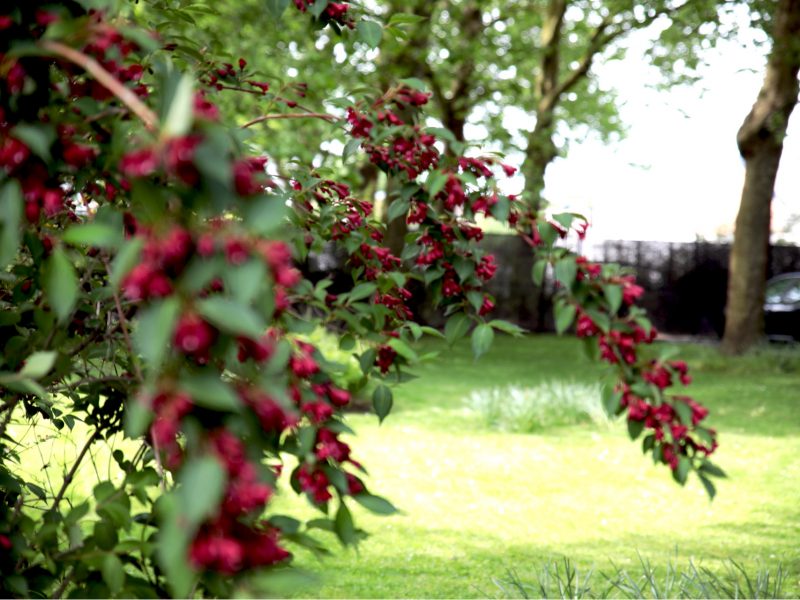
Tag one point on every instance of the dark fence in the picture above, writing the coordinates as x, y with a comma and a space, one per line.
685, 283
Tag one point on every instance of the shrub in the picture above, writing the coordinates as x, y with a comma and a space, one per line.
169, 307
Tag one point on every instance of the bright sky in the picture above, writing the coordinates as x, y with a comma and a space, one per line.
678, 173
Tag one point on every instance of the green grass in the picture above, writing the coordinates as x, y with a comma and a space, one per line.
477, 502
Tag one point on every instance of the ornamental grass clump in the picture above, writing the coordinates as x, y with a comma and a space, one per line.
549, 404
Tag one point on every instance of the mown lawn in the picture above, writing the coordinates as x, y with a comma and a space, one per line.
476, 503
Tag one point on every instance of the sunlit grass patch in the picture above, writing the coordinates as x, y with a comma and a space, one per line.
549, 404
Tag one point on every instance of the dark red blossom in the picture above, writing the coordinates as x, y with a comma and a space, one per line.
385, 358
486, 268
194, 336
315, 483
139, 163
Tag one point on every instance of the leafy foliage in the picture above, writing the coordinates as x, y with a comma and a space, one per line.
151, 285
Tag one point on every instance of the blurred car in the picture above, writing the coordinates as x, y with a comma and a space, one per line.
782, 308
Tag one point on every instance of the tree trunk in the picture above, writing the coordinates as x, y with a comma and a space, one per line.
760, 141
541, 151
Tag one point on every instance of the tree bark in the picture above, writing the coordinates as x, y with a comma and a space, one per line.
760, 141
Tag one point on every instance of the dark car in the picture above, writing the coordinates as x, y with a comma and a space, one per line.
782, 308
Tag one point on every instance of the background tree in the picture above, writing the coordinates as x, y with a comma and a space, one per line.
760, 141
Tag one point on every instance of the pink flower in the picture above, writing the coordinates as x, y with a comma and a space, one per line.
487, 268
487, 306
139, 163
385, 358
193, 336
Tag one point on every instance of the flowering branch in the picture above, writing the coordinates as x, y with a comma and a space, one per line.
96, 70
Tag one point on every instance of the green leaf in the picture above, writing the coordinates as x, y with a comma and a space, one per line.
403, 349
565, 315
684, 412
501, 209
591, 348
209, 391
100, 235
547, 232
482, 338
361, 291
266, 214
177, 119
173, 544
343, 525
682, 472
317, 8
415, 83
11, 209
351, 147
406, 19
306, 438
286, 524
613, 294
464, 268
202, 486
347, 342
507, 327
435, 182
276, 8
564, 219
456, 327
38, 364
105, 535
39, 138
711, 490
367, 360
709, 468
137, 418
375, 504
113, 573
246, 281
635, 428
125, 260
397, 208
232, 316
154, 329
382, 401
369, 32
61, 284
537, 273
566, 270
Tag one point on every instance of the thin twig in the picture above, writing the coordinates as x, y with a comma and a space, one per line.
91, 380
275, 116
106, 79
159, 467
63, 585
123, 322
71, 474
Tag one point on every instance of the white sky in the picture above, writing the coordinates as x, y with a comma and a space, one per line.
678, 174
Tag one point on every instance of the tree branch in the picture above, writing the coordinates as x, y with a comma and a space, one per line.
275, 116
106, 79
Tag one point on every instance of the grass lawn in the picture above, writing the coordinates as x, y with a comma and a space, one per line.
476, 502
